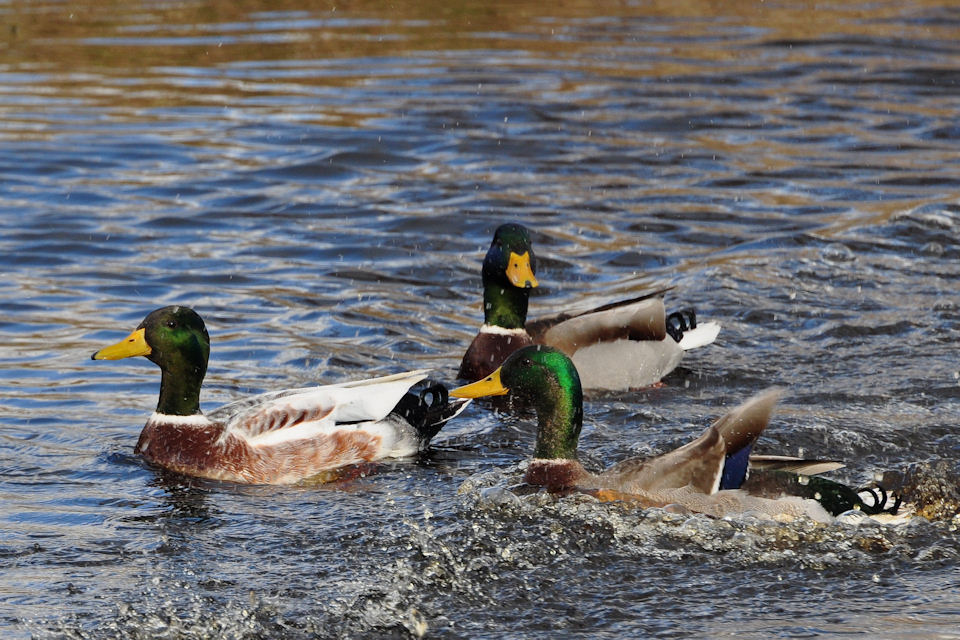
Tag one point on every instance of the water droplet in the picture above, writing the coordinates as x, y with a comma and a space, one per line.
837, 253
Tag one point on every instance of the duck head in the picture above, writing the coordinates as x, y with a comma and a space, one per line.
545, 379
508, 276
175, 339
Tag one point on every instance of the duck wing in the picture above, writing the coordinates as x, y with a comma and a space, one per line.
704, 463
741, 426
740, 429
698, 464
641, 318
791, 464
310, 412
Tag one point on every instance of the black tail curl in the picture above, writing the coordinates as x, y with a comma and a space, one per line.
833, 496
880, 500
680, 321
427, 408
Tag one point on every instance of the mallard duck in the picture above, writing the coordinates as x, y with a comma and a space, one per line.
274, 438
706, 475
627, 344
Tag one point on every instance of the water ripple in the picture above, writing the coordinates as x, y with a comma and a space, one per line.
322, 184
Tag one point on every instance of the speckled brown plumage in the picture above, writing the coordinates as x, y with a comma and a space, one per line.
555, 475
487, 351
208, 451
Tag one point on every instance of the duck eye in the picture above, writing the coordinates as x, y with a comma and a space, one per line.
172, 324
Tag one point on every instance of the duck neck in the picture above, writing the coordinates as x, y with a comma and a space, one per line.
180, 391
559, 420
505, 305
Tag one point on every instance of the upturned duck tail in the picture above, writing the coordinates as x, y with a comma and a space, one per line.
428, 409
834, 496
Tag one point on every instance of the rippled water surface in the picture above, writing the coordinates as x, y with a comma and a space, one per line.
321, 182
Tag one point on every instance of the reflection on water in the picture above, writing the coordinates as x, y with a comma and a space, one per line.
321, 183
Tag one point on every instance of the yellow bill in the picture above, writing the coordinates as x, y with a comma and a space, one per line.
519, 272
133, 345
489, 386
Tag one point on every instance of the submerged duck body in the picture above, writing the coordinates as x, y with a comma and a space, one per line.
707, 475
274, 438
630, 343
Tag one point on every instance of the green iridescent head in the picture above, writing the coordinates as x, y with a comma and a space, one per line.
546, 379
508, 276
175, 339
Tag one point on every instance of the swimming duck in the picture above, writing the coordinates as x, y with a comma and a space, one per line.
708, 474
627, 344
274, 438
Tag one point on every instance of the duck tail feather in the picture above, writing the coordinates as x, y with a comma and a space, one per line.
700, 336
428, 409
875, 499
833, 496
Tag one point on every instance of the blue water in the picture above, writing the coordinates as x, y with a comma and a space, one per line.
321, 185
